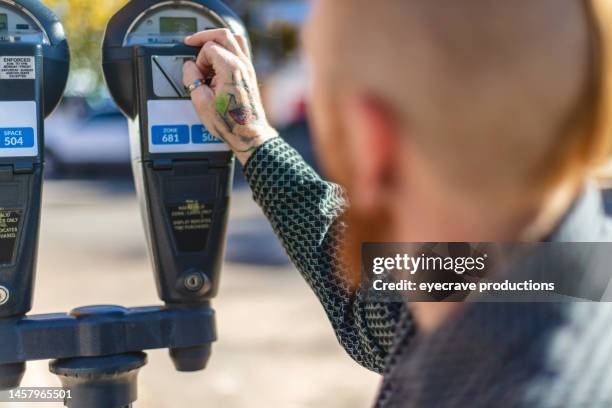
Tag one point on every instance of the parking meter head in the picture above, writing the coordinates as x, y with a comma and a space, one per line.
183, 173
155, 24
34, 62
30, 22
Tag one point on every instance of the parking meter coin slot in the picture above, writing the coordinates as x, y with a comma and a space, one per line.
167, 74
162, 70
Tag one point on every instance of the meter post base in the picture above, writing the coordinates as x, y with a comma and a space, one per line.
97, 350
100, 382
11, 375
191, 359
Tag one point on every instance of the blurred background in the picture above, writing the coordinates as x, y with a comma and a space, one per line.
276, 347
87, 135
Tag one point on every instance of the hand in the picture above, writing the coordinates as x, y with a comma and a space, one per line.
230, 107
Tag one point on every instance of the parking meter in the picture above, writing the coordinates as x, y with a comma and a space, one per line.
34, 62
183, 174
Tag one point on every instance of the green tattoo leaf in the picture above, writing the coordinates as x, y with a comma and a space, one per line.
222, 103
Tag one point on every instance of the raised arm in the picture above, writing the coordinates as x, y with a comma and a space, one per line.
303, 209
304, 212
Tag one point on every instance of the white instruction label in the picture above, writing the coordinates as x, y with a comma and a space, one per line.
15, 67
18, 129
174, 127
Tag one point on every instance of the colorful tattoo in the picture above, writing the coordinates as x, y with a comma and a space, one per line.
228, 107
237, 109
222, 103
241, 115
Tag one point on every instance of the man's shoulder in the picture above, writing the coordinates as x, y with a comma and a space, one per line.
526, 354
575, 359
606, 231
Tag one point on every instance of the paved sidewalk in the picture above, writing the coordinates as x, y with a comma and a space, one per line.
276, 348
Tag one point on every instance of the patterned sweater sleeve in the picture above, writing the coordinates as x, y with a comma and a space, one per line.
304, 212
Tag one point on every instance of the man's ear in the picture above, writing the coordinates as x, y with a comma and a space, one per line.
372, 135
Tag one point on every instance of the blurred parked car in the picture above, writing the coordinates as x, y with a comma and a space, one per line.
81, 138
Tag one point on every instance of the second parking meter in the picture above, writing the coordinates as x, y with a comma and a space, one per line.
34, 62
183, 174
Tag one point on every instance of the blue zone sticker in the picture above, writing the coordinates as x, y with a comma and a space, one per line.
170, 135
15, 138
201, 135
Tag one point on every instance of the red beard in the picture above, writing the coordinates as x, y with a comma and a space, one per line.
362, 228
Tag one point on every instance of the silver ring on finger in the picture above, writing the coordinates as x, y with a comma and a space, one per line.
195, 85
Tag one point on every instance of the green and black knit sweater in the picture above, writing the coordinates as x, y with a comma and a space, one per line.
543, 354
304, 211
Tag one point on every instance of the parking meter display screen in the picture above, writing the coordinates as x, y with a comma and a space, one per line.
168, 25
16, 27
186, 25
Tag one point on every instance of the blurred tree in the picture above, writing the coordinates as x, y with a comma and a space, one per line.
84, 22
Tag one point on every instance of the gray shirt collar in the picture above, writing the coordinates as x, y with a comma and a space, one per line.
585, 221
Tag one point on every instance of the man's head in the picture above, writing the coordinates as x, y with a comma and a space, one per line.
429, 110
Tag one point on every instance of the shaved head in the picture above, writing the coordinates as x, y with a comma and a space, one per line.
495, 94
458, 120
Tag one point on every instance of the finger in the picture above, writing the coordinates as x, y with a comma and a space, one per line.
202, 99
202, 96
244, 45
212, 55
191, 73
221, 36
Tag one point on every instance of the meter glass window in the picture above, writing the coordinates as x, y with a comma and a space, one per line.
168, 25
178, 25
18, 27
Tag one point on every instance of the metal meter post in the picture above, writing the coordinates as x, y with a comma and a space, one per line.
183, 174
34, 64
